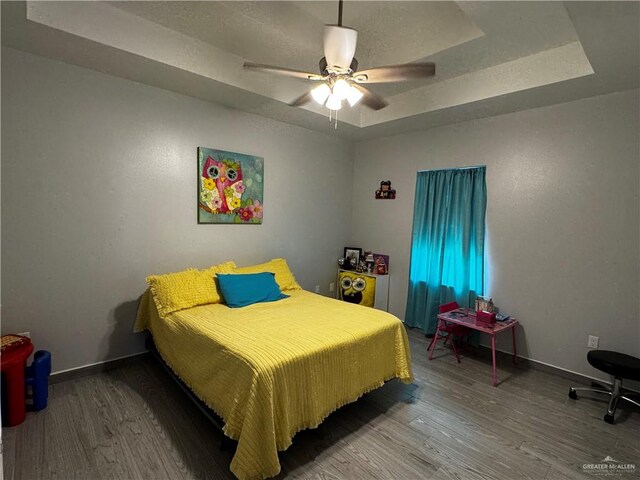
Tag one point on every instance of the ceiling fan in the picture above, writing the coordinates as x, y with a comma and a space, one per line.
339, 76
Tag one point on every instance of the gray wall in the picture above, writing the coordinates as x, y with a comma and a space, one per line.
562, 217
99, 190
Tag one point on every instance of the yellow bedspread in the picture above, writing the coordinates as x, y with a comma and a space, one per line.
272, 369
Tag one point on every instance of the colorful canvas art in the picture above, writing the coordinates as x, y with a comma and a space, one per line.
230, 187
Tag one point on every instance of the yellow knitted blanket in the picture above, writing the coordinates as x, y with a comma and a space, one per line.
270, 370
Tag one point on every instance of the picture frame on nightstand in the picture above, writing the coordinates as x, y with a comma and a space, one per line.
381, 264
352, 252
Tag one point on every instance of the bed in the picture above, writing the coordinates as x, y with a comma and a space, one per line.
270, 370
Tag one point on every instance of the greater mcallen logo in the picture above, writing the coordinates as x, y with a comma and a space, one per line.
609, 466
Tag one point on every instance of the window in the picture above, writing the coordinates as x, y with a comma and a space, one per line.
447, 248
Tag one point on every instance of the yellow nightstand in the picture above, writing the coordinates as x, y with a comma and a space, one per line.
367, 289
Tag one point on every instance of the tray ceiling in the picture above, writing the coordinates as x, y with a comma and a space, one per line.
491, 57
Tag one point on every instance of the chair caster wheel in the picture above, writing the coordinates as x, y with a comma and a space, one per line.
572, 394
608, 418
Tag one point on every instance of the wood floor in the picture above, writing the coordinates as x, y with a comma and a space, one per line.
134, 422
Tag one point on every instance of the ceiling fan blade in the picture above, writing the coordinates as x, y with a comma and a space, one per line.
287, 72
396, 73
370, 99
301, 100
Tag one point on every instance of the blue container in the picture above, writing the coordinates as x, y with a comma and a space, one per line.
37, 376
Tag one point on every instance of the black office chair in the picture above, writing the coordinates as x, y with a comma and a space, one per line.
617, 365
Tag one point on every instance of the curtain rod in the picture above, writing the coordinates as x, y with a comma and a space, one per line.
445, 169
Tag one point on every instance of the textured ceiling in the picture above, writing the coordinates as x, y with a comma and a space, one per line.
491, 57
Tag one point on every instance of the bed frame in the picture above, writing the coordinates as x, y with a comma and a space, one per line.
226, 443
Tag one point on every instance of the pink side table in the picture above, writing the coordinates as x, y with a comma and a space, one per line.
467, 318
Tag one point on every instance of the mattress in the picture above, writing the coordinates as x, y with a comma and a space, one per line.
270, 370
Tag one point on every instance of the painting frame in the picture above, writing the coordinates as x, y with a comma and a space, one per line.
230, 187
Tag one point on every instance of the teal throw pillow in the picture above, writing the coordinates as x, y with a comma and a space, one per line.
240, 290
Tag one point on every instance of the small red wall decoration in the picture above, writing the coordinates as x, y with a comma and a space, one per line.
385, 192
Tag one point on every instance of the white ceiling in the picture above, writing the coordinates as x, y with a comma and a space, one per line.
491, 57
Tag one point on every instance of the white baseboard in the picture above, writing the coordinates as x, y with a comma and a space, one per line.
69, 373
566, 373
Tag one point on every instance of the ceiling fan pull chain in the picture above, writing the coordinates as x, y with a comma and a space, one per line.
335, 127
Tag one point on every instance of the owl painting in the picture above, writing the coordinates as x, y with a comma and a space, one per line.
223, 186
230, 187
357, 288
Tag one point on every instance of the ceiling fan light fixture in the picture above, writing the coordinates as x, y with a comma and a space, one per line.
341, 89
321, 93
354, 96
339, 79
333, 102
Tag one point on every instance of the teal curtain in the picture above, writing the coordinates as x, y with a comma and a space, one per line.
447, 249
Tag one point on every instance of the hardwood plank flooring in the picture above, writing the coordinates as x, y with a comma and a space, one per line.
133, 422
